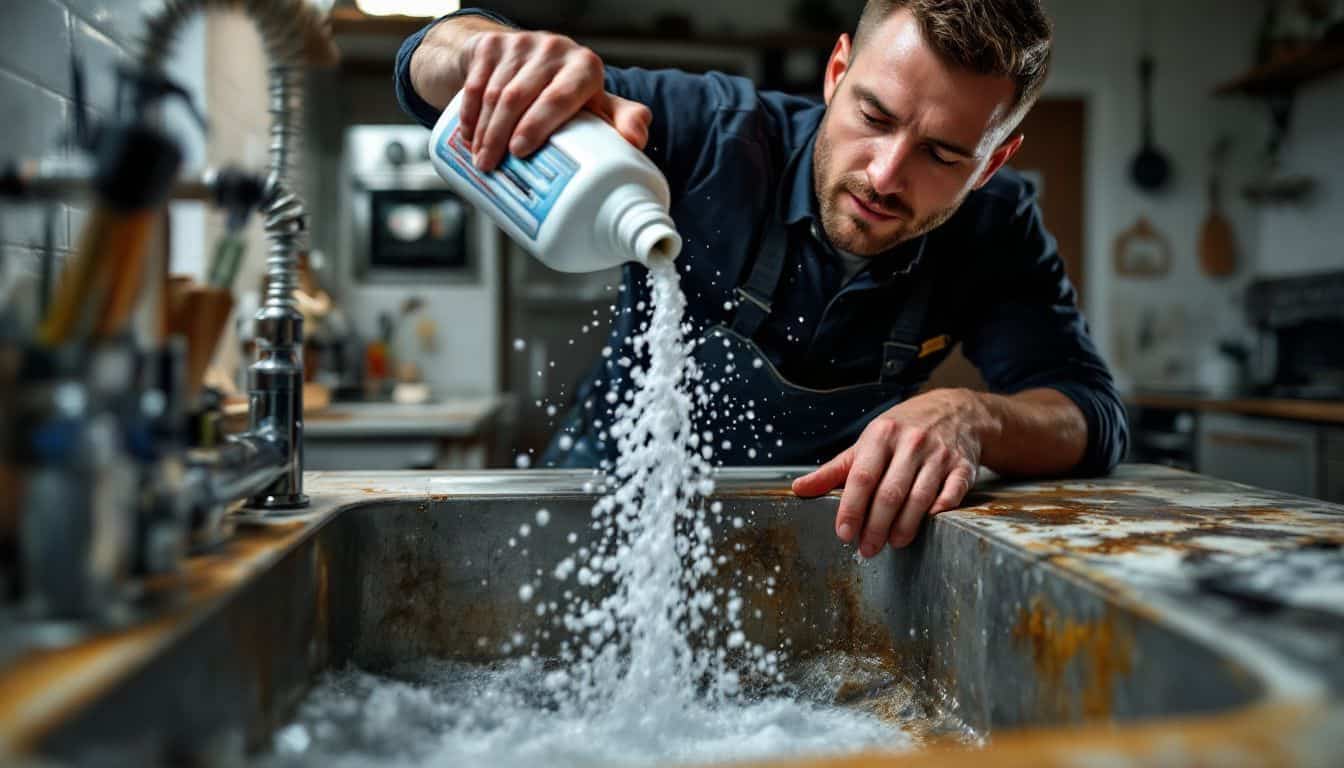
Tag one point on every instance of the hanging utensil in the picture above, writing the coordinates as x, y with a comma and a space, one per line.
1142, 251
1150, 169
1217, 241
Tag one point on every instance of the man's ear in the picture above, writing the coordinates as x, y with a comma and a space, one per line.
837, 66
1001, 155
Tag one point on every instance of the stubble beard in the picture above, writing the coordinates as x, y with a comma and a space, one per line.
851, 233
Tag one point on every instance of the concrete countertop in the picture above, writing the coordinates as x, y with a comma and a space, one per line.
452, 418
1232, 567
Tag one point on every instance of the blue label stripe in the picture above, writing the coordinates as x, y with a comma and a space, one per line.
524, 190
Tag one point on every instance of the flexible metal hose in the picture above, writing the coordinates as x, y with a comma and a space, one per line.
283, 26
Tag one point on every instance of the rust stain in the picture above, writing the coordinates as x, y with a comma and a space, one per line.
858, 633
784, 491
1061, 505
1046, 515
416, 586
1099, 514
833, 599
252, 642
755, 553
43, 687
1064, 504
764, 492
1104, 648
1185, 540
322, 564
1060, 493
1261, 735
423, 610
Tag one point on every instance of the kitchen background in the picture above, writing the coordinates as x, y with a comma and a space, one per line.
440, 344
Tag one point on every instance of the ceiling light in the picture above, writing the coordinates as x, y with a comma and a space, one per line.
426, 8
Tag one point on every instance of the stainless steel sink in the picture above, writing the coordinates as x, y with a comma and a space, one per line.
375, 577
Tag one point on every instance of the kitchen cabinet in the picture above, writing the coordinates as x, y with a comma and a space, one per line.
1296, 446
453, 434
1282, 456
1332, 467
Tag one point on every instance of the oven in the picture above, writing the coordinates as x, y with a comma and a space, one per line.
406, 225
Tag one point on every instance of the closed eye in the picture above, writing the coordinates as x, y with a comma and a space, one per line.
938, 157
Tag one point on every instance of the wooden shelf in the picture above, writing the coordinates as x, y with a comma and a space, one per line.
1288, 72
1317, 411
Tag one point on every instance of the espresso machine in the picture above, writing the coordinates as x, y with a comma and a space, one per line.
1301, 323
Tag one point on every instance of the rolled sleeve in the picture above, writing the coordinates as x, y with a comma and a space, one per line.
1107, 426
1032, 335
411, 103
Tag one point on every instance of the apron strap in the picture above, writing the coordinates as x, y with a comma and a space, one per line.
756, 295
903, 343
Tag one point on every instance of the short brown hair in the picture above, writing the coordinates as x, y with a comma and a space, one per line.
1004, 38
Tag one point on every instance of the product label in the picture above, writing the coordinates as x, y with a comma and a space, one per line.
524, 189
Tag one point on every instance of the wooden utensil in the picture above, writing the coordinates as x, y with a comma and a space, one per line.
1217, 241
1142, 251
200, 314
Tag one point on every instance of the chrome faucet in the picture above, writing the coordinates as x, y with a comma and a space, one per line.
275, 380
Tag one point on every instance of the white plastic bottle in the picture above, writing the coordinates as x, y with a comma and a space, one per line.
587, 200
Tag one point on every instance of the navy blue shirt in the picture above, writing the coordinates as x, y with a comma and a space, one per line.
1000, 288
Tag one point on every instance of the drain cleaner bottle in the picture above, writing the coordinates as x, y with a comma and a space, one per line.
585, 201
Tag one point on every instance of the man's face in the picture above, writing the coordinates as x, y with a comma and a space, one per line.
905, 138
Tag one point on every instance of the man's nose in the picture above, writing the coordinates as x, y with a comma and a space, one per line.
886, 171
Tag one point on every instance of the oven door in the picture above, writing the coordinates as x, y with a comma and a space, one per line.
410, 233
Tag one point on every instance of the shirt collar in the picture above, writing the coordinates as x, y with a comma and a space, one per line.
800, 205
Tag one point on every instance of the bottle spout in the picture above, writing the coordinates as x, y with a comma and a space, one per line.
657, 242
641, 229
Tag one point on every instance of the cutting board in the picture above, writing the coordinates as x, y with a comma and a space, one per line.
1217, 240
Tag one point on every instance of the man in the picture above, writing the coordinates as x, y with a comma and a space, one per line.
834, 253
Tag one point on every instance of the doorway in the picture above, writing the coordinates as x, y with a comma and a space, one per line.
1052, 157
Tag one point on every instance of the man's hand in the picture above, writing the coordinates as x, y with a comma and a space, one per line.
918, 458
519, 87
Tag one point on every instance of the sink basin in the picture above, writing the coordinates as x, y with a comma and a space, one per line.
389, 569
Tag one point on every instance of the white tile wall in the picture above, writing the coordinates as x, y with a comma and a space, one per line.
35, 119
100, 57
36, 44
118, 19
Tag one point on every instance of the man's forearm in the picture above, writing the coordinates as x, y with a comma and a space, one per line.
1034, 432
438, 67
